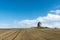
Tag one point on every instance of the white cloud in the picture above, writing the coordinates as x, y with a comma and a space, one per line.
4, 25
55, 11
51, 20
27, 23
52, 11
50, 17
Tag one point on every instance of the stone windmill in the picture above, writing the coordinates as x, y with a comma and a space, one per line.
39, 24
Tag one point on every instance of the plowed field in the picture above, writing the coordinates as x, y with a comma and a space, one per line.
30, 34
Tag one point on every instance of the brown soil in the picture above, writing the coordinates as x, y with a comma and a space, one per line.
30, 34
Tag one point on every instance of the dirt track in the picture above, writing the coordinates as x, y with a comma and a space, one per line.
30, 34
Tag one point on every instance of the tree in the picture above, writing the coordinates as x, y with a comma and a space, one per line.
39, 24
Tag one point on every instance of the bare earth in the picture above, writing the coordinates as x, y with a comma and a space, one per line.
30, 34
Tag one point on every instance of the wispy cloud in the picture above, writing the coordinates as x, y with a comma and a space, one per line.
4, 25
55, 11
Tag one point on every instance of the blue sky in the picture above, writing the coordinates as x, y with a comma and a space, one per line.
12, 12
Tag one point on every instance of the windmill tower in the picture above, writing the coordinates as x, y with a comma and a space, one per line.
39, 24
